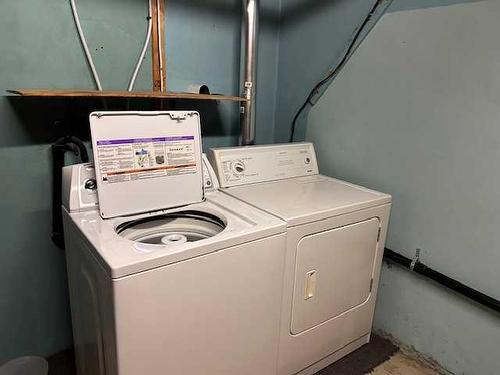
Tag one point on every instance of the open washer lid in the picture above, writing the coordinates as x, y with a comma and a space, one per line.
146, 161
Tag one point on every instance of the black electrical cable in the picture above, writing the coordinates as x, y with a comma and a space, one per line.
335, 70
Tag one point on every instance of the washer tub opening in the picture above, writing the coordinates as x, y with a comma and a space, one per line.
173, 228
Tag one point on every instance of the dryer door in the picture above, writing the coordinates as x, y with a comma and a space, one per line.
334, 272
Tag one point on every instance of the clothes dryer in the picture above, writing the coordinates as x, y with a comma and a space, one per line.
335, 242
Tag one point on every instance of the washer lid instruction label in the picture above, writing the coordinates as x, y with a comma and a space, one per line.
142, 158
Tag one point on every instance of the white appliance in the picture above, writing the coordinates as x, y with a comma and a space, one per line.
335, 242
193, 289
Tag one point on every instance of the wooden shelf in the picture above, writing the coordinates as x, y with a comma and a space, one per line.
121, 94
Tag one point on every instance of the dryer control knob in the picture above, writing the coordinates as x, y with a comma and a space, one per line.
238, 167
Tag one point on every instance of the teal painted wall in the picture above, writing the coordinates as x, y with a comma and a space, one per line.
203, 46
40, 49
415, 114
313, 37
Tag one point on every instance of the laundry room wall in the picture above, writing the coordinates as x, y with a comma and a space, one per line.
40, 49
313, 36
203, 46
415, 114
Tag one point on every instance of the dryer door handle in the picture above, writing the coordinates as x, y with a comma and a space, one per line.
310, 285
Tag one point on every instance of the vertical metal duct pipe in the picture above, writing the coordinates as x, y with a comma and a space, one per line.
250, 30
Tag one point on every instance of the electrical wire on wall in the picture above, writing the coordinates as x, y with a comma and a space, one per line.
333, 72
88, 55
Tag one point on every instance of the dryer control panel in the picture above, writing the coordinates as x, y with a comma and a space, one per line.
252, 164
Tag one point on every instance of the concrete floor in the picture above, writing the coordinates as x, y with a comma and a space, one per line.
403, 364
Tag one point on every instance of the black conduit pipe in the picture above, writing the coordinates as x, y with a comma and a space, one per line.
448, 282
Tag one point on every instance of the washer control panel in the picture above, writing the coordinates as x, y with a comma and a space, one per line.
79, 187
210, 182
236, 166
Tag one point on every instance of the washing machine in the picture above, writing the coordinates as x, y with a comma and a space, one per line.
167, 275
335, 242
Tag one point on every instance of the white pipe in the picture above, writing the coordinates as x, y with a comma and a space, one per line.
144, 49
85, 46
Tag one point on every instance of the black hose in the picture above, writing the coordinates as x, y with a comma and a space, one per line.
448, 282
59, 149
84, 155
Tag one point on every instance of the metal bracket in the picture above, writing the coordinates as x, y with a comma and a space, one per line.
416, 259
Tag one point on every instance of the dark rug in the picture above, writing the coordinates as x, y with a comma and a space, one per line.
358, 362
363, 360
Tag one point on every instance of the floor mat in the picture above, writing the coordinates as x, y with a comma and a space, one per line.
363, 360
